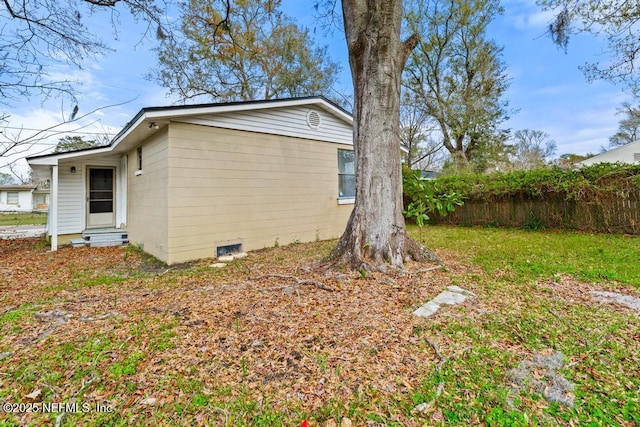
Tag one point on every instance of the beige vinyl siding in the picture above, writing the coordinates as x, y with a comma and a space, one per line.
147, 197
253, 188
287, 121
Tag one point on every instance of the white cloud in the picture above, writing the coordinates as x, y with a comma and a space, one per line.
535, 20
38, 130
577, 127
526, 15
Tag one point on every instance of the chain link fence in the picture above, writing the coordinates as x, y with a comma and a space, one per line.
14, 225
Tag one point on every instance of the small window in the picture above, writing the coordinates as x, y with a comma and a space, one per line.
346, 174
139, 151
13, 198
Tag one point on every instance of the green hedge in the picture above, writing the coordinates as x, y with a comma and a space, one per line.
547, 183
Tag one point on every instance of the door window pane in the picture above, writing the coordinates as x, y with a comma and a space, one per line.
101, 195
101, 206
101, 179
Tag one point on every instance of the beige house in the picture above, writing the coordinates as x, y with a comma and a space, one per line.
190, 182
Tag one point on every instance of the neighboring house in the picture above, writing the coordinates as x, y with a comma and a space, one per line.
40, 200
190, 182
16, 198
628, 153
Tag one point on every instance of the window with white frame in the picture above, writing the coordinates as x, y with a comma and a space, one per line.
139, 158
13, 198
138, 171
346, 174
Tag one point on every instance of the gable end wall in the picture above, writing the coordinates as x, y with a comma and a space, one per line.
289, 121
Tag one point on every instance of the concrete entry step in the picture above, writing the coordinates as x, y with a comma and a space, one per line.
77, 243
103, 237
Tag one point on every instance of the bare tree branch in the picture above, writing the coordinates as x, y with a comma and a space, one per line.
37, 34
14, 145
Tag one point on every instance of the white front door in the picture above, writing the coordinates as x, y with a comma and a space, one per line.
101, 197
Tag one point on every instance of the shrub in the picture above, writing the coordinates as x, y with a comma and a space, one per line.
423, 197
587, 182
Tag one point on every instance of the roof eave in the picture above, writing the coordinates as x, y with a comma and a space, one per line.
53, 158
151, 114
17, 187
174, 112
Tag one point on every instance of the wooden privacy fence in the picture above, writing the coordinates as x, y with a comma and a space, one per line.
614, 212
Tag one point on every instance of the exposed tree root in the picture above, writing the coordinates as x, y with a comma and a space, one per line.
442, 360
419, 253
425, 407
352, 253
425, 270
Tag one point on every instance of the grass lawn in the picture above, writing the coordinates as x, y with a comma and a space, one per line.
526, 256
269, 340
23, 218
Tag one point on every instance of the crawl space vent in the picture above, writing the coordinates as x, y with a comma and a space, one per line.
313, 119
228, 249
636, 157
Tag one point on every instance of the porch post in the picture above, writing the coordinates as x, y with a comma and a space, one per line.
121, 193
53, 208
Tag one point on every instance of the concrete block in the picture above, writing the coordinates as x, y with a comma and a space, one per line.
427, 310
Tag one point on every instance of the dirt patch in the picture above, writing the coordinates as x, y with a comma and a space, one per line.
540, 376
617, 298
572, 290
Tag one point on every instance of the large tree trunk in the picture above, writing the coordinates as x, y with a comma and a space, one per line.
376, 234
460, 159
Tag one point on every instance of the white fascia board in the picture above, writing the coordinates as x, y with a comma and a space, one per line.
332, 109
53, 159
130, 129
43, 162
259, 105
46, 161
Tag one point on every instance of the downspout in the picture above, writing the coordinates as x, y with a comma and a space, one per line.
53, 208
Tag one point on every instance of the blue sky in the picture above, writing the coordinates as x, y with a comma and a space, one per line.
547, 89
